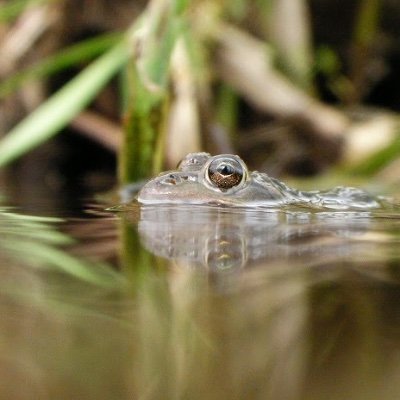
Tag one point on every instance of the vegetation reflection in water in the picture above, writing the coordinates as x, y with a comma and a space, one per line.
216, 304
52, 304
292, 304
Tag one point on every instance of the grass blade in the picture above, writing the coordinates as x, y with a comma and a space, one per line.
77, 54
57, 111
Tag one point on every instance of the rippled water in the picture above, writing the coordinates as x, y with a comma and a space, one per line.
200, 303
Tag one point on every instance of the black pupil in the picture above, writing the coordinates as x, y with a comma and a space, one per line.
225, 169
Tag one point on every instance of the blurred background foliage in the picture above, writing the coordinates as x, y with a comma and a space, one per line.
93, 90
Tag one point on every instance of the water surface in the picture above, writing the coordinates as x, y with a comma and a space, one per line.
199, 303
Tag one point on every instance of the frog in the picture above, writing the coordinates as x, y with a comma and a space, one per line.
225, 180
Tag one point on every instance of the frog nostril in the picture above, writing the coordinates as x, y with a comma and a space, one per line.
171, 179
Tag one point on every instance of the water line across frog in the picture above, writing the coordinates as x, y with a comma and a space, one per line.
224, 180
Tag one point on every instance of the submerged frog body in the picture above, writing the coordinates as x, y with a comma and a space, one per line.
225, 180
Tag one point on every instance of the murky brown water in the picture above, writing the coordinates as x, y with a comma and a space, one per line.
199, 303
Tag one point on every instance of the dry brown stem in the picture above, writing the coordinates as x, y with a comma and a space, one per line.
183, 125
243, 63
289, 32
19, 39
99, 128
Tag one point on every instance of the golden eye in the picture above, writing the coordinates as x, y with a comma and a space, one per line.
225, 173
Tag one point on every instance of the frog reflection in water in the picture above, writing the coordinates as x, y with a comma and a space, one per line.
225, 180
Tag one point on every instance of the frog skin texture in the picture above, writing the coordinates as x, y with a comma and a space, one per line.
224, 180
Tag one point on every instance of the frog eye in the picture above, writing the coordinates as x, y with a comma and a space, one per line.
226, 172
